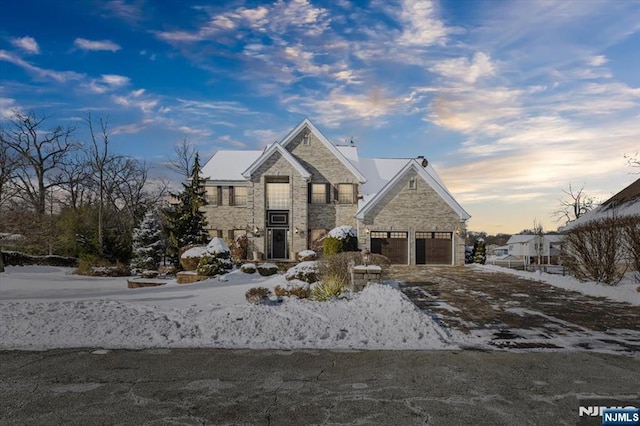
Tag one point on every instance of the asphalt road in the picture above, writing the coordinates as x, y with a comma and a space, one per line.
235, 387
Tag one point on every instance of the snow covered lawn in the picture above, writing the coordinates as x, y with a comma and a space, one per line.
45, 307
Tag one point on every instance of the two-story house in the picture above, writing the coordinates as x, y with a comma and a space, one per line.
287, 197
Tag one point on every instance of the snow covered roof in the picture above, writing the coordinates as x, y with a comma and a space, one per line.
525, 238
624, 203
285, 154
326, 142
383, 178
228, 165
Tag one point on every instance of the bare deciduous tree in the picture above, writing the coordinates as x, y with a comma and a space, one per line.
8, 165
39, 152
575, 205
184, 158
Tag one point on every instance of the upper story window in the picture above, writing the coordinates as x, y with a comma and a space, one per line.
346, 193
278, 193
319, 193
213, 195
306, 139
237, 195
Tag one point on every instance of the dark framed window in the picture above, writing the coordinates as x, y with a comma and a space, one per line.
278, 193
237, 195
346, 193
211, 195
319, 193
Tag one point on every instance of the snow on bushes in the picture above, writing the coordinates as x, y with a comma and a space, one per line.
248, 268
307, 255
340, 239
267, 269
212, 259
257, 295
303, 271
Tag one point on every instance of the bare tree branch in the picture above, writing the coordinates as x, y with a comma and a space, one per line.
574, 206
184, 158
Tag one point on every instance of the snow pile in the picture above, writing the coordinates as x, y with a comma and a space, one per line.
302, 268
209, 314
342, 232
216, 246
626, 291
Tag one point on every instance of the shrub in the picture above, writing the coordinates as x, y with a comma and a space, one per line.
190, 256
631, 233
299, 291
211, 265
340, 239
338, 265
593, 251
331, 245
303, 271
96, 267
257, 295
239, 248
267, 269
248, 268
307, 255
20, 259
329, 288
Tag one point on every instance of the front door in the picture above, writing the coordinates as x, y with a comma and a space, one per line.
278, 243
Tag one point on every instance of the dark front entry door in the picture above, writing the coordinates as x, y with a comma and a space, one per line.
278, 243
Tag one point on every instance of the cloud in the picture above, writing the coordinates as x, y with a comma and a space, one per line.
133, 127
28, 44
59, 76
129, 12
96, 45
421, 25
107, 82
464, 70
137, 99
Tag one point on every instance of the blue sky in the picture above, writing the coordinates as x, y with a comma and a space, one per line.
510, 101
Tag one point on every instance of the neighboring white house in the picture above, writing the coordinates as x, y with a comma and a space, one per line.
624, 204
529, 247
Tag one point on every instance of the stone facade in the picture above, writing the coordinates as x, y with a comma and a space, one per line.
413, 210
312, 161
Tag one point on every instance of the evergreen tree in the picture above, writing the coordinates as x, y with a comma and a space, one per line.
148, 244
185, 222
479, 252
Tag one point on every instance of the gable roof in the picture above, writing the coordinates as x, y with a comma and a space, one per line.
268, 152
624, 203
426, 173
326, 142
227, 165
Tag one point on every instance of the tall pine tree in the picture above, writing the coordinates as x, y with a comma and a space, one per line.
185, 222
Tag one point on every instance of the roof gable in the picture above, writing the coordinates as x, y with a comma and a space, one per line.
433, 182
273, 148
326, 142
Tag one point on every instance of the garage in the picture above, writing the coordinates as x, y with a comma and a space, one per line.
391, 244
434, 248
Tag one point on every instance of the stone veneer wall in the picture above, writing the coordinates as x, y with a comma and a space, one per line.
277, 165
226, 217
324, 168
420, 209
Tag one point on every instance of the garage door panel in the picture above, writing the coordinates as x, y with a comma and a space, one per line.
391, 244
434, 248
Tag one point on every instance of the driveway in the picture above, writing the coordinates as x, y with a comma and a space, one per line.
514, 313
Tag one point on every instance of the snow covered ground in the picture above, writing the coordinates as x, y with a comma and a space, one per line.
625, 291
45, 307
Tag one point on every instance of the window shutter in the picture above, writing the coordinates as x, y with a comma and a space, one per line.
230, 234
309, 187
231, 195
336, 193
327, 192
219, 196
355, 193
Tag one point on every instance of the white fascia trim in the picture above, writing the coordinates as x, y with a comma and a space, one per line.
285, 154
433, 183
326, 142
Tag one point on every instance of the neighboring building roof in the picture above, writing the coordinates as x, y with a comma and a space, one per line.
521, 238
228, 165
624, 203
276, 147
326, 142
429, 176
